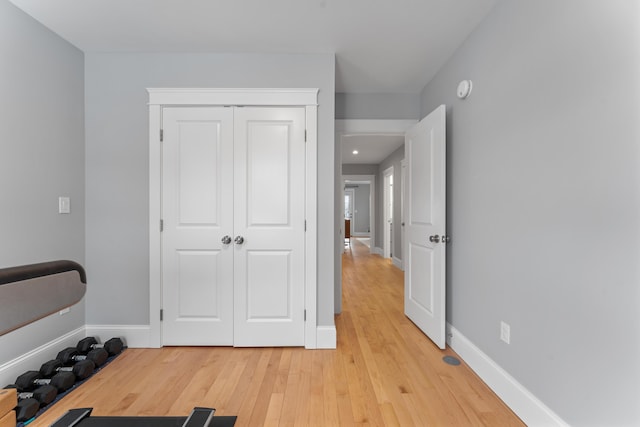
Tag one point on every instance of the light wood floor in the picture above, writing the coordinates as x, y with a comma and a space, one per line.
384, 372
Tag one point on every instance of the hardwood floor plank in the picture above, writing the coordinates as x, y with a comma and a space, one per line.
385, 372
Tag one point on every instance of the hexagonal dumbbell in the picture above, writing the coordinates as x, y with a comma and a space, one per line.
30, 380
27, 409
71, 355
113, 346
30, 402
81, 370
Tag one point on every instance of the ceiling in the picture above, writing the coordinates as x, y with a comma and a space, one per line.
372, 149
381, 46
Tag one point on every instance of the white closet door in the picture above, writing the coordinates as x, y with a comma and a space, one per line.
197, 212
269, 183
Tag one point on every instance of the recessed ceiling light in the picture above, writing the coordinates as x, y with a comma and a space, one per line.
355, 151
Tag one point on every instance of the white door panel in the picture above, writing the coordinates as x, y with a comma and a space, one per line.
195, 289
269, 285
269, 214
197, 160
425, 225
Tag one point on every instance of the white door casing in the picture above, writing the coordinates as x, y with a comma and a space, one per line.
349, 194
371, 181
403, 180
387, 222
305, 98
425, 224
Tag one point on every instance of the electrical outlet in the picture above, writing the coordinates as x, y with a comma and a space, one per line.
505, 332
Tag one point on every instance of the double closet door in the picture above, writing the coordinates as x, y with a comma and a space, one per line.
233, 200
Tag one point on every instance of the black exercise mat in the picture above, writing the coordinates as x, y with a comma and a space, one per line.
218, 421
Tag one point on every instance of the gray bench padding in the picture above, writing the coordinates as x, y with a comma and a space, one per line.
31, 292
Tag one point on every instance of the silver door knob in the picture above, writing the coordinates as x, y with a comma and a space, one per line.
226, 240
446, 239
239, 240
434, 239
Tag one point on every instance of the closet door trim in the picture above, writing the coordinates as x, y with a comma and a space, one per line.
159, 97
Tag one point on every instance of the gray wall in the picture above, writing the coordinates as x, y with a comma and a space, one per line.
118, 164
359, 169
42, 158
361, 212
377, 105
544, 200
394, 160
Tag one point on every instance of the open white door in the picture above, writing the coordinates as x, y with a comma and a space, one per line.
425, 226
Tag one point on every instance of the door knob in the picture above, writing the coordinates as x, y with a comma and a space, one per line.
239, 240
226, 240
446, 239
434, 239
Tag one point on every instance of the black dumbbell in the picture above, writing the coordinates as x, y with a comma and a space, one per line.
32, 379
113, 346
30, 403
81, 370
70, 355
27, 409
44, 394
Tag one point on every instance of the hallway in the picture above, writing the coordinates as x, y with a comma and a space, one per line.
401, 373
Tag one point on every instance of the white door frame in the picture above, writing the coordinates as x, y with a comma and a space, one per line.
352, 192
364, 179
221, 97
359, 127
403, 177
387, 199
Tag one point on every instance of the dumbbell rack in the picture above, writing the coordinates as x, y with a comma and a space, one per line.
8, 401
64, 393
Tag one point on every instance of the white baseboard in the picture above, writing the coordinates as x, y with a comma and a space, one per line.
376, 250
32, 360
326, 337
530, 409
397, 262
134, 336
138, 336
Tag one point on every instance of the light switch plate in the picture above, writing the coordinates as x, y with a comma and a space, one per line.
505, 332
64, 205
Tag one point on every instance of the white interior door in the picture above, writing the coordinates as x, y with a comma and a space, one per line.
197, 200
425, 224
269, 182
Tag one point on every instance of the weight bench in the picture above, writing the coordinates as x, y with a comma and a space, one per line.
199, 417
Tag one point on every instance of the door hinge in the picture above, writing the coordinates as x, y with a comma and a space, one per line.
305, 225
161, 315
161, 135
305, 135
161, 225
305, 315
